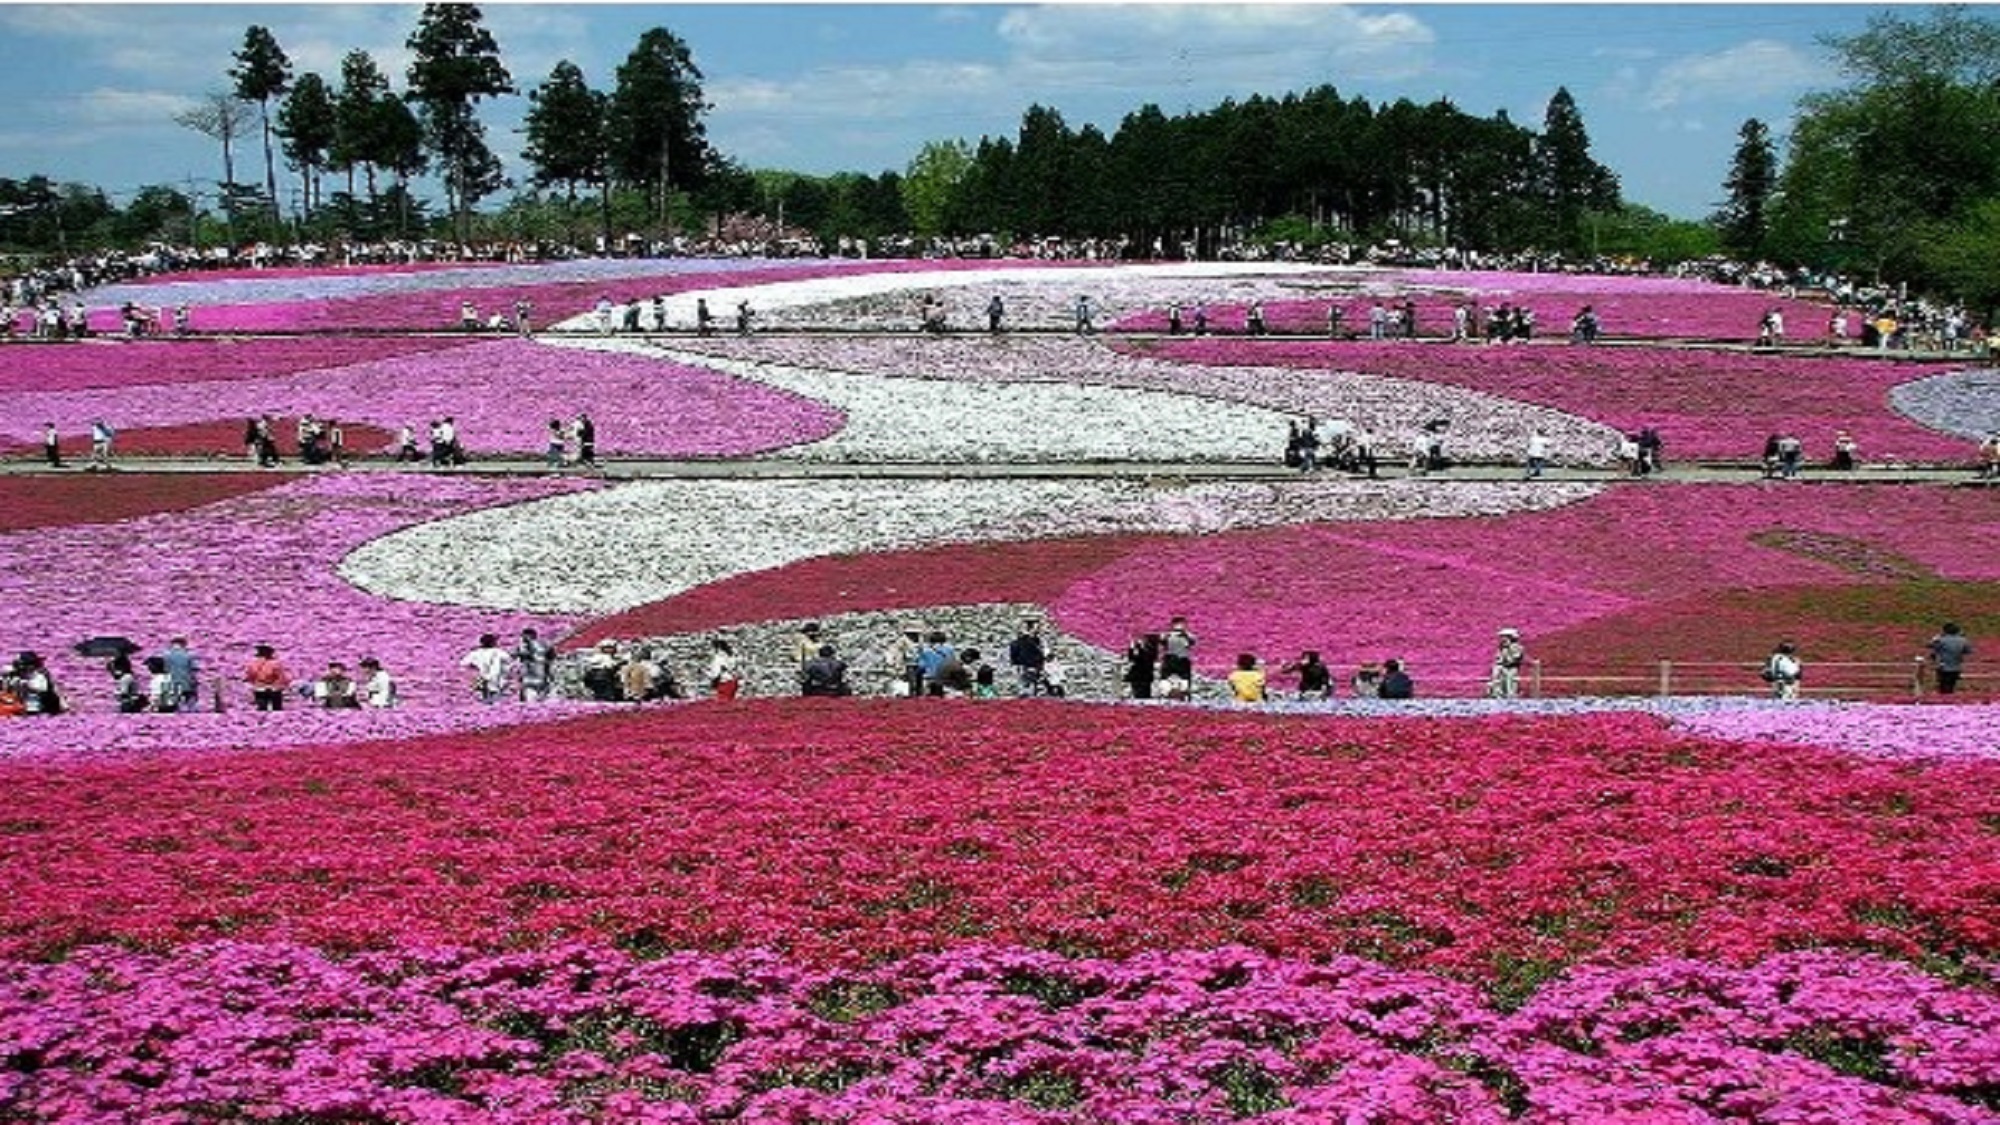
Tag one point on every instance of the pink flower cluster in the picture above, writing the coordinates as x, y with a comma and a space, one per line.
987, 1036
1704, 403
502, 393
112, 365
258, 568
1531, 844
1434, 592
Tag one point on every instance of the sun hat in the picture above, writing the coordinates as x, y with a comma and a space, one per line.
1510, 632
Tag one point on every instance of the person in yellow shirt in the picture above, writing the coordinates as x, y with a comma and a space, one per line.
1246, 684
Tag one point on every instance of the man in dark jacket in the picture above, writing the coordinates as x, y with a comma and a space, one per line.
1028, 656
1396, 683
825, 674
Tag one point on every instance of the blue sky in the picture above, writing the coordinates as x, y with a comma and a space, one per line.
91, 89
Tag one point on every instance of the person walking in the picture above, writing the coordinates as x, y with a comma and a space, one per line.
1948, 652
184, 670
101, 435
1783, 671
586, 440
1509, 654
51, 445
537, 659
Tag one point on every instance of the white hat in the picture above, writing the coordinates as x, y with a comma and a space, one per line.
1510, 632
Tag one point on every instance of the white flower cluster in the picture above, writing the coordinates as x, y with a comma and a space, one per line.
1481, 426
899, 419
607, 551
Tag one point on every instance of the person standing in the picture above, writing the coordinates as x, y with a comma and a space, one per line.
1177, 651
1783, 671
1028, 656
1085, 316
1142, 662
586, 440
378, 690
1396, 683
406, 446
335, 690
1505, 680
1253, 318
268, 678
162, 694
51, 445
1246, 683
125, 689
489, 663
723, 672
537, 659
1315, 678
1538, 455
184, 670
1948, 652
1790, 452
558, 444
996, 311
824, 675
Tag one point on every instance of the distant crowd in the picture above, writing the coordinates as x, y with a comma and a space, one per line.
921, 662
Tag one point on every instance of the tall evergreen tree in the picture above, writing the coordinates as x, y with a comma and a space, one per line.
1753, 174
261, 73
1571, 182
309, 127
455, 63
358, 113
653, 122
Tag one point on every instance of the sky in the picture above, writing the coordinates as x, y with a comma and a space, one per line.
91, 89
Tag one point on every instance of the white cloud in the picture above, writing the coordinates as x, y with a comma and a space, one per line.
106, 106
1758, 68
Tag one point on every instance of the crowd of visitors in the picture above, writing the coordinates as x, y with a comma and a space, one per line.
920, 662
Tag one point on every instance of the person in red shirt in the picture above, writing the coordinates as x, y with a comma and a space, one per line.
268, 679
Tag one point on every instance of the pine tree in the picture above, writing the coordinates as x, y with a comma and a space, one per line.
307, 123
261, 73
1753, 173
456, 63
1571, 182
565, 127
653, 121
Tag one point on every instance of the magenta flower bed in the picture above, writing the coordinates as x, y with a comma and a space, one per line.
249, 570
552, 301
105, 365
1435, 591
989, 1036
1496, 851
1704, 403
502, 392
1645, 307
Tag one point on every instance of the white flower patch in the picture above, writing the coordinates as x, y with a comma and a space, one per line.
608, 551
1482, 425
1040, 296
960, 421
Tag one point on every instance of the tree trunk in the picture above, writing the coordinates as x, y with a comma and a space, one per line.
270, 165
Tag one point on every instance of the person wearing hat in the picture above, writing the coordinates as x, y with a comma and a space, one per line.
1508, 656
600, 673
32, 683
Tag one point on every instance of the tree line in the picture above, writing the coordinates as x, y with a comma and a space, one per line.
1895, 175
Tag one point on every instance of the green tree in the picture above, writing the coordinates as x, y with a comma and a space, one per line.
1571, 182
455, 64
358, 118
1744, 221
261, 73
309, 126
566, 145
653, 123
931, 181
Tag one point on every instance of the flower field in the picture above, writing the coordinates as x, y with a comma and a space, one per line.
1705, 404
1044, 912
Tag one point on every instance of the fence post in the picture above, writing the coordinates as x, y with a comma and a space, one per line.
1535, 679
1666, 678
